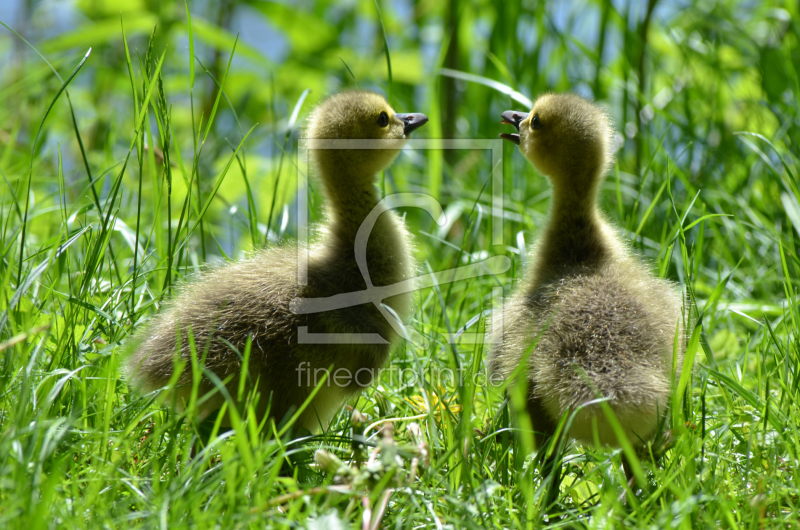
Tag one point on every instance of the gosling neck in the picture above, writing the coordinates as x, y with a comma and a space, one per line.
575, 237
574, 203
349, 204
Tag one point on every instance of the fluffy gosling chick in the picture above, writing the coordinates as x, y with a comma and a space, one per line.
602, 324
252, 297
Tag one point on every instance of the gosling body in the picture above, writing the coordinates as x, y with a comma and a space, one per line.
252, 299
588, 319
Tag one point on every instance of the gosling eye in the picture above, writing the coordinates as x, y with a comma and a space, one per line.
536, 123
383, 119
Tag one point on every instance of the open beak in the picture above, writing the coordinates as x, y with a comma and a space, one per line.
512, 117
412, 121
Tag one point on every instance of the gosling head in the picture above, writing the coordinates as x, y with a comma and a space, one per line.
358, 115
566, 138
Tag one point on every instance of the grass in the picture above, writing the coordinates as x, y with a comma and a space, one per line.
155, 160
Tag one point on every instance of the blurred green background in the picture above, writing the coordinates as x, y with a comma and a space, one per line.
681, 78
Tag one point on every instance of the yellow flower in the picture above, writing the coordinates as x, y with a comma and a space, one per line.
418, 403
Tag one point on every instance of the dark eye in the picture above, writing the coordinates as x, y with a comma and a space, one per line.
383, 119
536, 123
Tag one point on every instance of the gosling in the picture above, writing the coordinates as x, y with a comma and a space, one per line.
588, 318
252, 299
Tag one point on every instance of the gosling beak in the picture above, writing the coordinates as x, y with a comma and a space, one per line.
412, 121
514, 118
